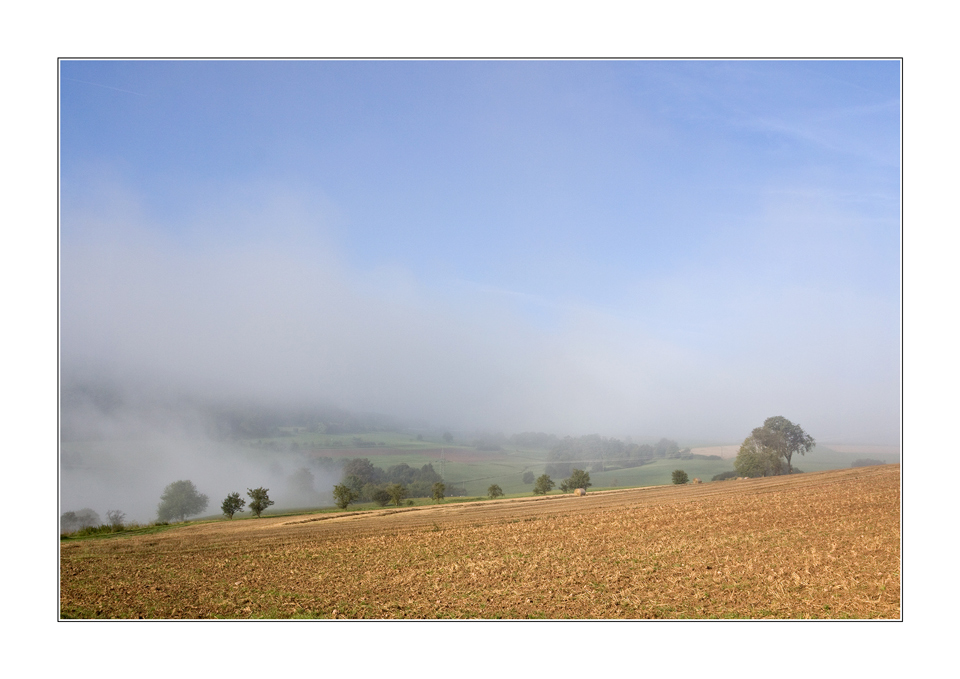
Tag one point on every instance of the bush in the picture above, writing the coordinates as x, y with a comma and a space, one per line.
381, 497
680, 476
94, 530
723, 476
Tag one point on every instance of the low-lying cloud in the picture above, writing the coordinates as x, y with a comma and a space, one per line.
270, 312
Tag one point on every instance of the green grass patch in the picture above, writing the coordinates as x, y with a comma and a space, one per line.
122, 533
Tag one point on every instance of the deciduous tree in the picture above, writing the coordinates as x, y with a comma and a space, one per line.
756, 457
543, 485
680, 477
578, 479
343, 495
494, 491
70, 522
232, 504
787, 438
259, 500
179, 500
397, 492
762, 451
116, 517
438, 489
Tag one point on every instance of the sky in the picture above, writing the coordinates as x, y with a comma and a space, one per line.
644, 248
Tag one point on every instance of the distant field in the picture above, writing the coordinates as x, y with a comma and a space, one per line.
815, 545
726, 452
225, 466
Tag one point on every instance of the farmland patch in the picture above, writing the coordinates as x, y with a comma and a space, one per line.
816, 545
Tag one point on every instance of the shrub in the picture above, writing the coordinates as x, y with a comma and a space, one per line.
680, 476
723, 476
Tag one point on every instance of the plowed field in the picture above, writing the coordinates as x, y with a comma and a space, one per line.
816, 545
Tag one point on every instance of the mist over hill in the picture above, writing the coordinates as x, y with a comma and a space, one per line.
650, 249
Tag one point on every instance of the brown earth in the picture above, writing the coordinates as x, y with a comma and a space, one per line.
816, 545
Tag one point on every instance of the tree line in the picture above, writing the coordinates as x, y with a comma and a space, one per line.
179, 500
370, 483
600, 453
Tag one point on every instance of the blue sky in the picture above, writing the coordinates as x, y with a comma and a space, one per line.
624, 247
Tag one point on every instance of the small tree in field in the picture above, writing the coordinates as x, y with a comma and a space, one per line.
179, 500
578, 479
381, 497
680, 476
259, 500
528, 477
438, 490
116, 517
543, 485
70, 522
343, 495
232, 504
494, 491
397, 492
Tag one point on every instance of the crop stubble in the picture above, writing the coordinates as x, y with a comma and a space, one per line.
817, 545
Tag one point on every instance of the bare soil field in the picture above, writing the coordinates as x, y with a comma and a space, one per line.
816, 545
